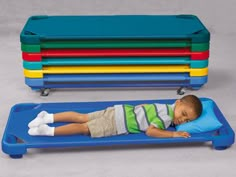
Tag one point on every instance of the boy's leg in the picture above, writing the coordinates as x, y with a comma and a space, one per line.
70, 116
72, 129
76, 117
69, 129
44, 118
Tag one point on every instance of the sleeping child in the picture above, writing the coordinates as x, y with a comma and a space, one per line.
153, 119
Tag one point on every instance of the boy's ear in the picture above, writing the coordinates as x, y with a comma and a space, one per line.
177, 101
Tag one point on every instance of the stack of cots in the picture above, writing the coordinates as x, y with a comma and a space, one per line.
115, 51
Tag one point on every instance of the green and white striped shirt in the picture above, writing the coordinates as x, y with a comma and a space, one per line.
135, 119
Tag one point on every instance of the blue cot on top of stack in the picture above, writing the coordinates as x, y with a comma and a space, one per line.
115, 51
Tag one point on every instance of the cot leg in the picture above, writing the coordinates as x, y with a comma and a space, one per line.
224, 138
181, 91
13, 146
16, 156
222, 144
45, 91
221, 147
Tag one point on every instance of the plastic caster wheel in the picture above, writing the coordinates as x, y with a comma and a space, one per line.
45, 92
181, 91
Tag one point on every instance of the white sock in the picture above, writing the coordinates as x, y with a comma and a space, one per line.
42, 118
42, 130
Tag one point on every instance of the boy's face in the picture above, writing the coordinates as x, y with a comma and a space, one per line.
183, 113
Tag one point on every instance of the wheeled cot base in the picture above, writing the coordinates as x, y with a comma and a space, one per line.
181, 80
16, 140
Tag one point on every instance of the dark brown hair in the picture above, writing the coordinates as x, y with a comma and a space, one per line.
194, 102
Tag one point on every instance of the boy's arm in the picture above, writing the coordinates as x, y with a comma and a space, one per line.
156, 132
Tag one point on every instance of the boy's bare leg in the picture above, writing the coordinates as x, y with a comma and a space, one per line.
71, 117
72, 129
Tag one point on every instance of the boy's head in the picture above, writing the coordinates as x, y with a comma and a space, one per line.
187, 109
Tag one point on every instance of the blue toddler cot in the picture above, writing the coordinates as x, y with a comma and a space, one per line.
16, 140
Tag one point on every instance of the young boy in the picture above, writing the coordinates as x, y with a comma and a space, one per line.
153, 119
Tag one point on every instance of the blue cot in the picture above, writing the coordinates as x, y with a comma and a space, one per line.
16, 140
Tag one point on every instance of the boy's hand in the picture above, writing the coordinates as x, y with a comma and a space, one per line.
181, 134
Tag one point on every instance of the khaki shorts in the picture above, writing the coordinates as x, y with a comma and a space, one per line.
102, 123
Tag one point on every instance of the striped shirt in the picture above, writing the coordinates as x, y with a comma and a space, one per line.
135, 119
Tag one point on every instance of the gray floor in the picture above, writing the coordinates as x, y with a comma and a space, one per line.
165, 160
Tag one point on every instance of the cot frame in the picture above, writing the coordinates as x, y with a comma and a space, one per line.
16, 140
